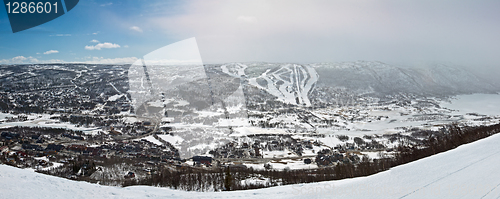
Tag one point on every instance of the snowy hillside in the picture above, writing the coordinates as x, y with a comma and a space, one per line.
381, 78
291, 83
466, 172
303, 84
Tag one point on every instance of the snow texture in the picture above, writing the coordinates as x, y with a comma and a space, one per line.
466, 172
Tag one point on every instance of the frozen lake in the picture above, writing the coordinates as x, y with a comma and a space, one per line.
487, 104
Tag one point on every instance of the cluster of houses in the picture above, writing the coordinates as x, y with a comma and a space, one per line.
140, 149
74, 89
27, 144
262, 143
205, 160
233, 150
327, 157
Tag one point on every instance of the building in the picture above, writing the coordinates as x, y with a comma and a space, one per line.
54, 147
4, 149
206, 160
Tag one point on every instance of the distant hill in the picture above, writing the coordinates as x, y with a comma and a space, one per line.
296, 83
381, 78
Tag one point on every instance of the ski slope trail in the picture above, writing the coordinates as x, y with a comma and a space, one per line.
290, 83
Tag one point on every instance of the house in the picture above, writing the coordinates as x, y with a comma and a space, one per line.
92, 151
112, 131
9, 135
130, 174
4, 149
32, 147
167, 120
237, 166
54, 147
206, 160
76, 148
21, 154
75, 137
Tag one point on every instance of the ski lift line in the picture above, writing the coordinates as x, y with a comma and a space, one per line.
147, 75
296, 78
163, 99
209, 85
165, 113
226, 112
145, 104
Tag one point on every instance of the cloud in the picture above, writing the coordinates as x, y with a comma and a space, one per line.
100, 46
28, 60
50, 52
135, 28
101, 60
107, 4
331, 31
20, 58
94, 41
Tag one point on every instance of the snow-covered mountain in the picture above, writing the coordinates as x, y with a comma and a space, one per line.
465, 172
382, 79
290, 83
298, 84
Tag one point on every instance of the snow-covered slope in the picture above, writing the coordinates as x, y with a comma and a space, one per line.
470, 171
291, 83
298, 84
381, 78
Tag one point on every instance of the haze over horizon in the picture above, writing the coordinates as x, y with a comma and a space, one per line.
409, 33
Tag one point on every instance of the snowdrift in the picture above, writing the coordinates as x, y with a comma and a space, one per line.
470, 171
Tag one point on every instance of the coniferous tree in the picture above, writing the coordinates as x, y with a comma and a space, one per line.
227, 180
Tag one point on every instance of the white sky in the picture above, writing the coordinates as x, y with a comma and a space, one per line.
394, 31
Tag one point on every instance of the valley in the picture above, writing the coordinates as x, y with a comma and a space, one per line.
261, 116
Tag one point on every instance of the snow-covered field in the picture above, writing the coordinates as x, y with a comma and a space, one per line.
152, 140
470, 171
460, 109
44, 120
4, 115
487, 104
